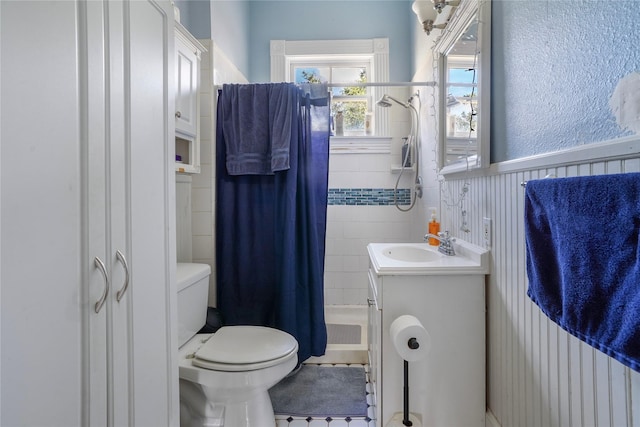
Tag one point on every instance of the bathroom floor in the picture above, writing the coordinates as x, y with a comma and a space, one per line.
328, 421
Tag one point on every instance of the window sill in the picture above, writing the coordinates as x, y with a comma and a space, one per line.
360, 144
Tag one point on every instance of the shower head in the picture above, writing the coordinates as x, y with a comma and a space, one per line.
387, 101
384, 101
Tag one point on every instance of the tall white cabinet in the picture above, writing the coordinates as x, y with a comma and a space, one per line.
87, 214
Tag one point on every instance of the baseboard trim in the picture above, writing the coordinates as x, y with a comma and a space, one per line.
490, 420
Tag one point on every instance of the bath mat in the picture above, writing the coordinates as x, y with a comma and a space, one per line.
343, 334
322, 391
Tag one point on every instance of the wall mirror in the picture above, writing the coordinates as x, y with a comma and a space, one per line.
463, 54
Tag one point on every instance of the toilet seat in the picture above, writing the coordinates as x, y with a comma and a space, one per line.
245, 348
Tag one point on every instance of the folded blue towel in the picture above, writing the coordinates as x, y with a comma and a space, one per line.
318, 93
583, 258
257, 121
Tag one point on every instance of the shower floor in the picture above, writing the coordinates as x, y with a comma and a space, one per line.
346, 335
343, 334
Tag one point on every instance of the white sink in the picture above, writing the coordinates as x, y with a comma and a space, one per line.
411, 253
422, 258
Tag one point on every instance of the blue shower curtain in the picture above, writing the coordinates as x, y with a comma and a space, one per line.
270, 231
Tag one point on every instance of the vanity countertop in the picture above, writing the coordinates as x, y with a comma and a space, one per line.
424, 259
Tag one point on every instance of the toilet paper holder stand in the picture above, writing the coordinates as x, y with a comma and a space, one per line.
413, 344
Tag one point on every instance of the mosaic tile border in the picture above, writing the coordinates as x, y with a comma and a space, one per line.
368, 196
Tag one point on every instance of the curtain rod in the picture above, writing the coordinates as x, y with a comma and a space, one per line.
373, 84
381, 84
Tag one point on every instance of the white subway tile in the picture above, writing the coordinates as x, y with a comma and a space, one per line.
342, 163
203, 247
205, 152
205, 85
335, 230
201, 200
333, 279
341, 180
337, 213
333, 263
334, 297
355, 296
203, 179
202, 223
206, 130
351, 263
205, 105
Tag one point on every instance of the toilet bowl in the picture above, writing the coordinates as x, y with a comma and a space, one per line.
234, 369
225, 377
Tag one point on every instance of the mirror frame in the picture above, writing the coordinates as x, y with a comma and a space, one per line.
462, 16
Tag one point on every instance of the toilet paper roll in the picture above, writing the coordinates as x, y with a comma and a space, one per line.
402, 330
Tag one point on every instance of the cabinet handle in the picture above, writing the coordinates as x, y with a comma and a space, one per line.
100, 265
122, 290
178, 114
370, 302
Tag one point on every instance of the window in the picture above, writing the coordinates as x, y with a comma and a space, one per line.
342, 61
351, 107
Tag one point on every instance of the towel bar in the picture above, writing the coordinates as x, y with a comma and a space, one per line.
523, 184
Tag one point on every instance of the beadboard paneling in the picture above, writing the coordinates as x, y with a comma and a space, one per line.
538, 375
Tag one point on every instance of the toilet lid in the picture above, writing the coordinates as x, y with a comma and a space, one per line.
245, 345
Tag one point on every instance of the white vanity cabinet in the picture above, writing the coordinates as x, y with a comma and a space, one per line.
87, 236
188, 52
448, 387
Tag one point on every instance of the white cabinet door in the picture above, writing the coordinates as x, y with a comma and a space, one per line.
142, 381
95, 231
118, 168
43, 278
187, 82
151, 216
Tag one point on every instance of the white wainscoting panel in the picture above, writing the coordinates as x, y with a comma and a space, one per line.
538, 375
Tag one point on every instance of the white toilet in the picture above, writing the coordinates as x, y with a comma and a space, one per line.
225, 377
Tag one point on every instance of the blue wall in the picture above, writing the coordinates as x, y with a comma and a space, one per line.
330, 20
229, 29
195, 15
243, 29
555, 66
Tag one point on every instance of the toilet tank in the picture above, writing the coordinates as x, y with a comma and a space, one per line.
193, 297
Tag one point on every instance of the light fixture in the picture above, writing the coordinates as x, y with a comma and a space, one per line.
426, 13
440, 4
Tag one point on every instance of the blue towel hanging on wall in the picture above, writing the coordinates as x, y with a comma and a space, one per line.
583, 258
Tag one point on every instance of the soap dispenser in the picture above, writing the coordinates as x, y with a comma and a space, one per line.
434, 228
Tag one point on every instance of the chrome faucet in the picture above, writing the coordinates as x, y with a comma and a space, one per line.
446, 242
